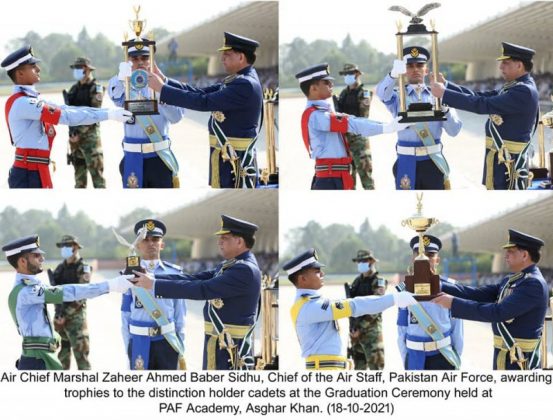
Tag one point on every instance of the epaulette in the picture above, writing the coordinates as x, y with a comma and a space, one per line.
175, 266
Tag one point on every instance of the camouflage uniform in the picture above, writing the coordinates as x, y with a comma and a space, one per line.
357, 101
368, 345
70, 319
86, 153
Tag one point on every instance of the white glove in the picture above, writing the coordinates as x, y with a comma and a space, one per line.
125, 70
404, 299
394, 126
399, 67
121, 283
119, 114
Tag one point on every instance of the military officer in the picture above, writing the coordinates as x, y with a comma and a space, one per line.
70, 319
149, 345
356, 100
420, 164
84, 140
148, 161
231, 291
513, 115
367, 347
315, 317
418, 349
516, 306
235, 107
323, 130
29, 296
31, 121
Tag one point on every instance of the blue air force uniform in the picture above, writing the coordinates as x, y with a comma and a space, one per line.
420, 163
232, 292
323, 133
235, 107
148, 161
31, 122
315, 317
418, 350
27, 302
516, 307
513, 112
145, 343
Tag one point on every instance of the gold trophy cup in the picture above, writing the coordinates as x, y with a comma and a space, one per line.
423, 283
139, 78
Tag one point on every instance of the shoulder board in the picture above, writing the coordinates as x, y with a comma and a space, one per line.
230, 78
175, 266
229, 263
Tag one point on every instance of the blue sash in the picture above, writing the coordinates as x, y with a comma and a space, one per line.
133, 168
140, 346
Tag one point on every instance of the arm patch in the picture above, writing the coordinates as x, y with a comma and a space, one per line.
341, 309
339, 123
53, 295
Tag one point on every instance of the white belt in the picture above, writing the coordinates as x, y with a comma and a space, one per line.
420, 150
152, 331
428, 346
146, 147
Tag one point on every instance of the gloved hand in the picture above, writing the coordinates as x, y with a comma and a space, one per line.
125, 70
404, 299
119, 114
394, 126
399, 67
120, 283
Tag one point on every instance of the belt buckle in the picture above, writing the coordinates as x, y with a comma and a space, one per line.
154, 331
148, 148
432, 346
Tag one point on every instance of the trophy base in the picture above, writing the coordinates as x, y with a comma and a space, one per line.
142, 107
133, 264
421, 116
426, 298
417, 29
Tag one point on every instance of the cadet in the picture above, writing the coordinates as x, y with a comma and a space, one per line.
323, 130
420, 164
235, 107
70, 319
31, 121
231, 292
419, 349
356, 100
84, 140
150, 345
513, 116
367, 347
516, 306
148, 160
29, 296
315, 318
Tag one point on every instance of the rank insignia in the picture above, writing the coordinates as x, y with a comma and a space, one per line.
219, 116
496, 119
150, 225
405, 183
139, 363
132, 181
217, 303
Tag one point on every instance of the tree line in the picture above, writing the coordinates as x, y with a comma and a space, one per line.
98, 241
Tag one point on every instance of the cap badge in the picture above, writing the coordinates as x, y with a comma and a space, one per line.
426, 241
414, 52
150, 225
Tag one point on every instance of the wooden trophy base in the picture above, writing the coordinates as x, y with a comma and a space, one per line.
421, 112
424, 284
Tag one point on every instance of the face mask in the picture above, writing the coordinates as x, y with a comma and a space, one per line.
78, 74
66, 252
350, 79
363, 267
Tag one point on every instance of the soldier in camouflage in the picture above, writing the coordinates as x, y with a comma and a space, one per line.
84, 141
367, 343
70, 318
355, 100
